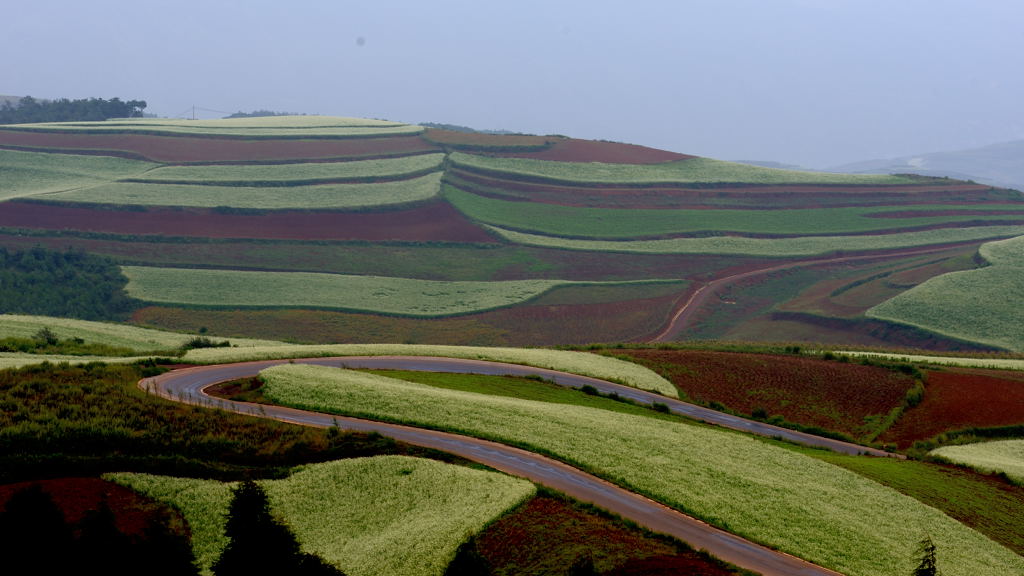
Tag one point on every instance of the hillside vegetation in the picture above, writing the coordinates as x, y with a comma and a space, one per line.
369, 516
794, 495
355, 198
977, 305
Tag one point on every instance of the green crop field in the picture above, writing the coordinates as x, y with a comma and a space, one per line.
28, 173
295, 174
770, 247
1005, 456
994, 363
611, 223
762, 492
689, 171
323, 196
260, 127
142, 340
976, 305
385, 515
1009, 252
584, 363
385, 295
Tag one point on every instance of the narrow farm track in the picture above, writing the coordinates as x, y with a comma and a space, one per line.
188, 386
685, 312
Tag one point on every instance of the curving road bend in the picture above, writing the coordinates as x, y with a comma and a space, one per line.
188, 385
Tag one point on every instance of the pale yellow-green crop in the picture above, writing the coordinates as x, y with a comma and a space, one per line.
31, 173
386, 295
320, 196
770, 247
1006, 456
143, 340
380, 516
690, 170
806, 507
980, 305
583, 363
297, 173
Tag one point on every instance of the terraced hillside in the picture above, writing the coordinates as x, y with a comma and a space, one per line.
369, 225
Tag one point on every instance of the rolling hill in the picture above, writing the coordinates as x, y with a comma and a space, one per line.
322, 229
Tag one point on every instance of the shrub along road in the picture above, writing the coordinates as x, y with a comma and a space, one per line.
188, 385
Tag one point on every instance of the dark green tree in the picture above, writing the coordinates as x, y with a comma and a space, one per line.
258, 543
583, 566
468, 561
926, 552
34, 536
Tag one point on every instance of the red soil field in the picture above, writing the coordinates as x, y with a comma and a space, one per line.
749, 197
545, 536
959, 398
480, 140
434, 221
191, 149
518, 326
831, 395
76, 496
576, 150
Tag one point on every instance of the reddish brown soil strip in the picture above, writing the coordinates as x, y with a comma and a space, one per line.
435, 221
575, 150
75, 496
955, 399
810, 391
478, 140
546, 535
747, 197
189, 149
518, 326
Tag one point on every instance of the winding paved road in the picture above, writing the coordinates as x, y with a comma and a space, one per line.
189, 384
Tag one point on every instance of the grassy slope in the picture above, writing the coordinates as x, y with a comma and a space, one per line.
284, 174
400, 296
390, 515
611, 223
870, 528
584, 363
976, 305
1001, 456
323, 196
986, 504
30, 173
769, 247
689, 171
143, 340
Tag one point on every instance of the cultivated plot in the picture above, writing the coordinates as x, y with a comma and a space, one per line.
610, 223
976, 305
296, 174
768, 494
29, 173
1000, 456
688, 171
390, 515
315, 197
770, 247
385, 295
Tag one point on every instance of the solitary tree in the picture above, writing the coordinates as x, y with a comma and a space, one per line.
261, 544
926, 551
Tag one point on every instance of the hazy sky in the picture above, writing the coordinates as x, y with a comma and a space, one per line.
810, 82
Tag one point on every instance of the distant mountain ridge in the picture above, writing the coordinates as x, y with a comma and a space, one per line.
999, 164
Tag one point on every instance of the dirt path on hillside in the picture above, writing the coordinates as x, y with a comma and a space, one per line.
699, 296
